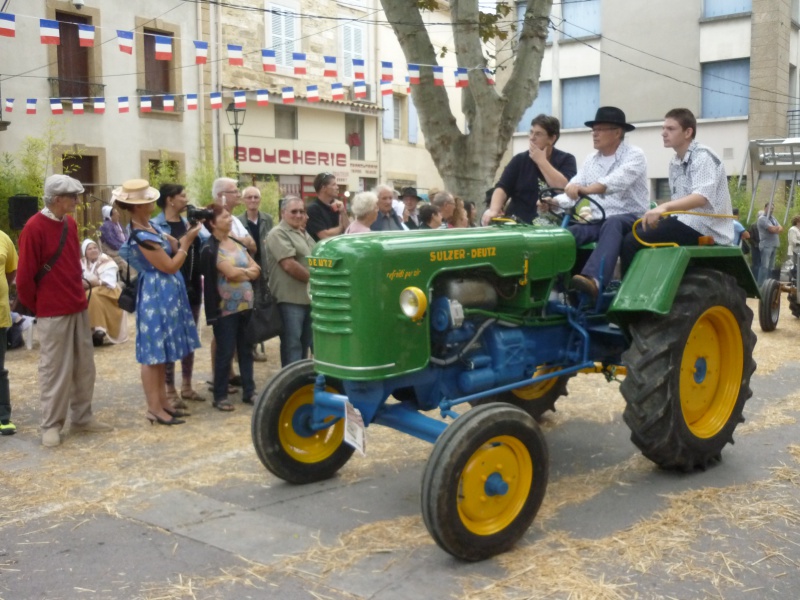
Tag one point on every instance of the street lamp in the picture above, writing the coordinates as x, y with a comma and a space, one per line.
235, 120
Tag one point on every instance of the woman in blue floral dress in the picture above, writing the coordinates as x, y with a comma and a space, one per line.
165, 329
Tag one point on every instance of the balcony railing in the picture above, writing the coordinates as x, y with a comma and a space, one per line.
74, 88
793, 121
157, 100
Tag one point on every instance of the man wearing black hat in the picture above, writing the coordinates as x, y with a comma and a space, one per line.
411, 200
615, 176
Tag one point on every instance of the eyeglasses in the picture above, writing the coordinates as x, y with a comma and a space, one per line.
598, 129
235, 192
253, 196
297, 211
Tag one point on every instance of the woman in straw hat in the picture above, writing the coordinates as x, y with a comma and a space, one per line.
165, 329
106, 318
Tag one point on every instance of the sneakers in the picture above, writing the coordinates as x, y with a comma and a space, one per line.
584, 284
7, 428
51, 437
93, 426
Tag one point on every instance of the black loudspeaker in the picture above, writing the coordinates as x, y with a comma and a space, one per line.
20, 209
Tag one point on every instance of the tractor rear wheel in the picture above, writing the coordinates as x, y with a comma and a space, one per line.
484, 481
282, 438
769, 307
535, 399
689, 373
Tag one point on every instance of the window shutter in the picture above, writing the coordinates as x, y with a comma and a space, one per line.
388, 117
542, 105
413, 122
725, 89
347, 50
580, 100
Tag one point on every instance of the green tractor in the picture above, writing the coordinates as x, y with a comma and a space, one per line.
413, 322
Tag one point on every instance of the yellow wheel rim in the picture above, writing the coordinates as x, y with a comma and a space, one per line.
313, 448
537, 390
711, 372
486, 509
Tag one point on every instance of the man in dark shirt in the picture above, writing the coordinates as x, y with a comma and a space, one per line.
411, 200
541, 166
327, 216
387, 218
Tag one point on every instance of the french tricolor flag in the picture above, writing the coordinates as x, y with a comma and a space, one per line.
462, 77
268, 60
125, 41
262, 97
145, 104
200, 52
386, 71
299, 60
360, 89
163, 47
413, 74
48, 30
235, 58
216, 100
386, 88
489, 76
77, 106
438, 75
9, 105
8, 25
337, 92
330, 66
312, 93
169, 103
288, 95
30, 106
56, 107
408, 86
122, 102
99, 105
191, 101
86, 36
358, 68
239, 99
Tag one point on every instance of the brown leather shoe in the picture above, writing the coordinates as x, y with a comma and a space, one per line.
586, 285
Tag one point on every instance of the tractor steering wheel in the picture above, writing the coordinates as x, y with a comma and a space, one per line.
574, 217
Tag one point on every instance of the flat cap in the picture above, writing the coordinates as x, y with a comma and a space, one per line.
61, 185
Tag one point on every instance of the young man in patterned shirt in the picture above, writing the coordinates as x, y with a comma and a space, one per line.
698, 183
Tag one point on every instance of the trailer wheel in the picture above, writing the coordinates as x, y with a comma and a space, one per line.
769, 307
535, 399
281, 437
689, 373
484, 481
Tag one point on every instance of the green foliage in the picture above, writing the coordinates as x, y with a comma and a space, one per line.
163, 171
202, 178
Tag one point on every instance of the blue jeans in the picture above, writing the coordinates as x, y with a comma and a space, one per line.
609, 236
296, 336
767, 264
229, 331
5, 395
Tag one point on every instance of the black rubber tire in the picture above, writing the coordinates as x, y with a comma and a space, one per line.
769, 307
794, 307
535, 407
654, 409
459, 461
278, 456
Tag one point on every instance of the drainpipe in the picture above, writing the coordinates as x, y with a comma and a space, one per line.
376, 90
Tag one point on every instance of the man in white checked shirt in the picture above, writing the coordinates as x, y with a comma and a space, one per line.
698, 183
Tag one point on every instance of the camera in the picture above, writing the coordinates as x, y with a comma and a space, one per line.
195, 215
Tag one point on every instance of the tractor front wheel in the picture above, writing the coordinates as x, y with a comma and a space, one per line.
689, 373
281, 428
484, 481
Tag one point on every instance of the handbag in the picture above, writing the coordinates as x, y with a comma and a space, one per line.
127, 297
265, 323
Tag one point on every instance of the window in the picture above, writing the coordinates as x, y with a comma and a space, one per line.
662, 190
156, 72
392, 109
283, 23
413, 122
354, 132
285, 122
718, 8
542, 105
73, 60
726, 89
521, 8
580, 99
581, 18
398, 113
354, 45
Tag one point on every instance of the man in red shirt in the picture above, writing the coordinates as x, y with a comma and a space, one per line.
56, 295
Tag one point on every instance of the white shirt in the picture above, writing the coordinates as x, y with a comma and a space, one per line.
625, 176
238, 229
702, 172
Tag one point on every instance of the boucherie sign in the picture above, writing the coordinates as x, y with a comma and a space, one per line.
288, 157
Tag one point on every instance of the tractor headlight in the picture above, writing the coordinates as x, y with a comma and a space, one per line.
413, 303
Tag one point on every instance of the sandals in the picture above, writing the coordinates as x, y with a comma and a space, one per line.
175, 401
193, 396
224, 406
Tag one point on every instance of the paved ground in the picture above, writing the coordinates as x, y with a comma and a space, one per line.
189, 512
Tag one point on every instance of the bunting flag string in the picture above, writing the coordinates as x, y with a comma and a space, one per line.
191, 101
200, 52
30, 106
288, 95
262, 97
56, 107
9, 105
122, 103
235, 58
163, 47
299, 60
8, 26
330, 66
48, 32
386, 71
268, 60
312, 93
216, 100
169, 103
77, 106
86, 36
125, 41
99, 105
239, 99
337, 92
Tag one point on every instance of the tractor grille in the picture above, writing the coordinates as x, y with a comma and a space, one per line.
331, 309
